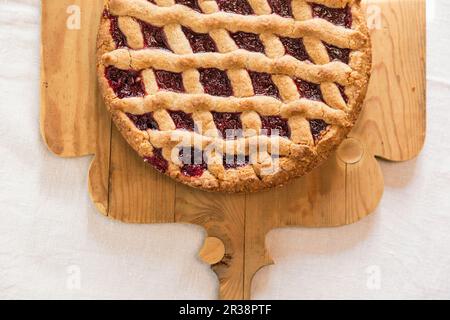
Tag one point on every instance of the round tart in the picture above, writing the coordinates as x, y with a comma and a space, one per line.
234, 95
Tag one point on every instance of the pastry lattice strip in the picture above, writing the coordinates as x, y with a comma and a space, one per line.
204, 23
294, 108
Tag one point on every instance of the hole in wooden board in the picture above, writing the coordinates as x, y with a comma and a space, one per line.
213, 251
350, 151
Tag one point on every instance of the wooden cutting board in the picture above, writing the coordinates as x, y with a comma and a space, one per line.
345, 189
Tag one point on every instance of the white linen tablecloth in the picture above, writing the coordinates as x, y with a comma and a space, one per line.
53, 243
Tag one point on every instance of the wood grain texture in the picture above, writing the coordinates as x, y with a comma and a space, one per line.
393, 124
137, 194
343, 190
223, 217
99, 170
68, 78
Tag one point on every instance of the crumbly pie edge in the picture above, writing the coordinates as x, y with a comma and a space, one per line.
302, 158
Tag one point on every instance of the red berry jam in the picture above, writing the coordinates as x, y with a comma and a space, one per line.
125, 83
317, 127
119, 38
235, 6
295, 48
157, 160
194, 164
193, 170
169, 81
263, 84
182, 120
193, 4
274, 125
340, 17
342, 90
144, 121
337, 53
228, 124
215, 82
235, 161
154, 37
248, 41
200, 42
281, 7
309, 90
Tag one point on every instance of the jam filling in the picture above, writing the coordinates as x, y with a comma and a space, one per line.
235, 6
144, 121
282, 8
337, 53
125, 83
154, 37
193, 4
194, 164
182, 120
342, 90
169, 81
200, 42
157, 160
248, 41
295, 48
119, 38
228, 124
263, 84
340, 17
317, 127
235, 161
274, 125
215, 82
309, 90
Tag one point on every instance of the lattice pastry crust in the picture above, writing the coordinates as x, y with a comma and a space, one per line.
288, 77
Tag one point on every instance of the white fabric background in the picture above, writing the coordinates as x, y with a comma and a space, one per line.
49, 229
